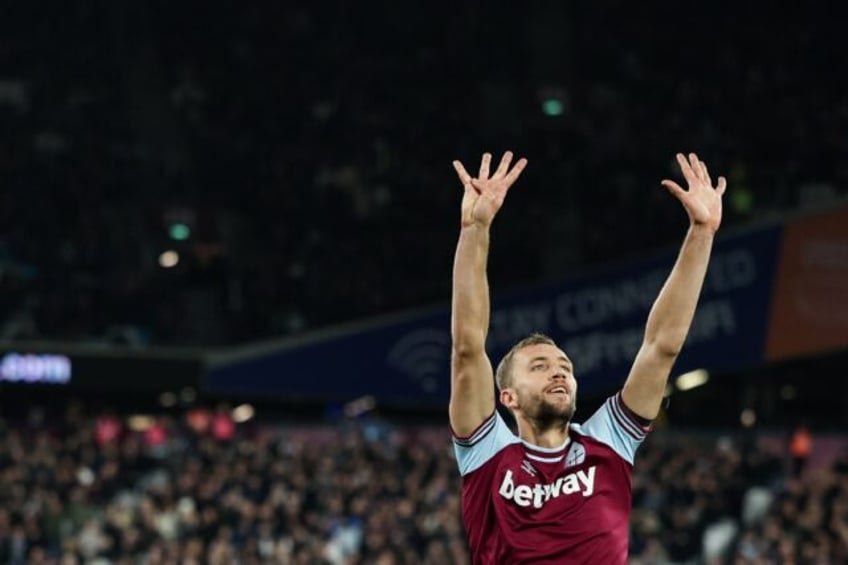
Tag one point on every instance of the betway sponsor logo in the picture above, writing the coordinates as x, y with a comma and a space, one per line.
537, 495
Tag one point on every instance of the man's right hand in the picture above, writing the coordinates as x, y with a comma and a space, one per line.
484, 195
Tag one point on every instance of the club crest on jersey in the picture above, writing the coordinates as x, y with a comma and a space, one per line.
576, 455
582, 482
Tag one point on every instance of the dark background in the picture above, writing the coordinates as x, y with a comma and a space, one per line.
308, 150
297, 159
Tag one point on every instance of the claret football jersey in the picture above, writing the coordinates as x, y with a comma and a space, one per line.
570, 504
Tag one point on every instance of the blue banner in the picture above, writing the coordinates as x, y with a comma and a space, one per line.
598, 319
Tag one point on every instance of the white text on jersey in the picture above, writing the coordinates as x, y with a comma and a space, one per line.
523, 495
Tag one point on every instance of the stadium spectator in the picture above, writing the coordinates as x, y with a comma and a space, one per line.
800, 447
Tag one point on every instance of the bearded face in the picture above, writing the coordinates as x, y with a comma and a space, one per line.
543, 390
548, 408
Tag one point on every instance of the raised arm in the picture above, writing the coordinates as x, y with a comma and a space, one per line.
472, 382
674, 308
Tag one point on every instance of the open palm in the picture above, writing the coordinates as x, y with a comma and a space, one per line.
702, 202
485, 195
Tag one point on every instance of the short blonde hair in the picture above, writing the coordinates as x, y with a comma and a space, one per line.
503, 376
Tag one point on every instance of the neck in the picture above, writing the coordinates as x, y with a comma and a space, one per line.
549, 434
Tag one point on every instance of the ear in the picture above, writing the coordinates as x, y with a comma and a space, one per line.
509, 398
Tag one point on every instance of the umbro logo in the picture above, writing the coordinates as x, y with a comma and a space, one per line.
528, 467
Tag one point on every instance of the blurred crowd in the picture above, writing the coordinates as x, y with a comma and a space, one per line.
196, 487
301, 152
736, 501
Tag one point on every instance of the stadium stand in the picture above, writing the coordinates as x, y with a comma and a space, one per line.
259, 131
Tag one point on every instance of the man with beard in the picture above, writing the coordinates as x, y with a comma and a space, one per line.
559, 492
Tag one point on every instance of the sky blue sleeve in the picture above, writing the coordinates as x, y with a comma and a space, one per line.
614, 425
486, 441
